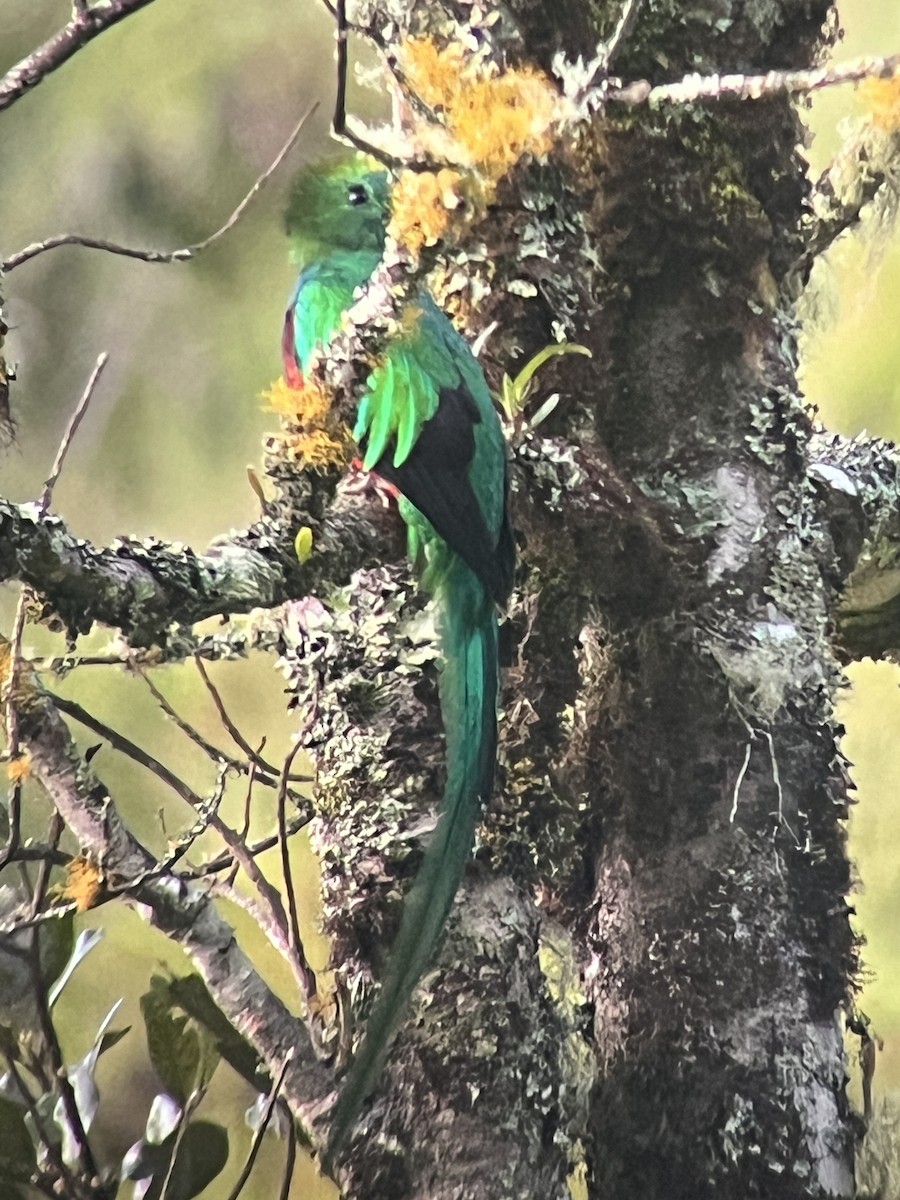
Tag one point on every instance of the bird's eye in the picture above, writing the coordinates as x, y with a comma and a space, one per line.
357, 194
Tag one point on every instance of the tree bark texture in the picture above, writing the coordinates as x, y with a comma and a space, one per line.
666, 1018
641, 989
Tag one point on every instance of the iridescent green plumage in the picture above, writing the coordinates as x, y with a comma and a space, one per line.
425, 423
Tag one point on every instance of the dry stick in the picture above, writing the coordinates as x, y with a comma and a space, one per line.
85, 25
183, 1121
339, 126
162, 256
226, 859
620, 34
290, 1159
260, 1130
754, 87
18, 631
245, 825
71, 429
270, 775
54, 833
236, 736
308, 974
125, 746
268, 894
130, 749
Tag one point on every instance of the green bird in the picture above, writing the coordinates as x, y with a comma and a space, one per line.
426, 424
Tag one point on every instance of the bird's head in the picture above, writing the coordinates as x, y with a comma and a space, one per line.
341, 206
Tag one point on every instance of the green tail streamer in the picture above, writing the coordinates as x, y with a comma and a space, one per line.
468, 695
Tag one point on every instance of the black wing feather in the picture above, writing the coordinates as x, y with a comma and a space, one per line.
435, 478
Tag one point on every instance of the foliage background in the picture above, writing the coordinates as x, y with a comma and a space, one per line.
150, 137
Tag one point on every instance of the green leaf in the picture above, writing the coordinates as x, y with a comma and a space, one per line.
56, 940
202, 1155
515, 393
192, 994
17, 1156
164, 1118
181, 1049
84, 1088
84, 944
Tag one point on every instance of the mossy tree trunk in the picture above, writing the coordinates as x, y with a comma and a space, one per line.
667, 843
641, 990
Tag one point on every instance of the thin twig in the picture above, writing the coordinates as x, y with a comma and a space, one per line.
620, 34
754, 87
299, 954
236, 736
236, 846
186, 1113
55, 832
226, 859
290, 1159
8, 696
13, 746
270, 776
184, 254
85, 25
130, 749
245, 827
259, 1132
207, 808
339, 120
71, 429
339, 127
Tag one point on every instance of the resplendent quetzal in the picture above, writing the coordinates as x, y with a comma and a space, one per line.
425, 424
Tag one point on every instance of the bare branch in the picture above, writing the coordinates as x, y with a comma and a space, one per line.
754, 87
186, 253
627, 18
237, 737
298, 953
10, 686
268, 777
86, 24
68, 436
130, 749
223, 861
183, 910
290, 1159
260, 1130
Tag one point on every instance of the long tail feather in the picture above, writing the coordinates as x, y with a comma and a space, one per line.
468, 694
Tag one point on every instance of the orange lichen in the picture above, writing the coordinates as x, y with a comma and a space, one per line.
84, 883
434, 72
494, 117
312, 435
19, 769
881, 98
487, 119
422, 206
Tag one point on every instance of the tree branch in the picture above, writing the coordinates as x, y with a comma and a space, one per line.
86, 24
860, 482
184, 911
185, 253
144, 586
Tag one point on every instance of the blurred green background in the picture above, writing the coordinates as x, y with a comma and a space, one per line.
151, 136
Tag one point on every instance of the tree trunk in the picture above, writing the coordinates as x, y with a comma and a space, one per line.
644, 977
643, 983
